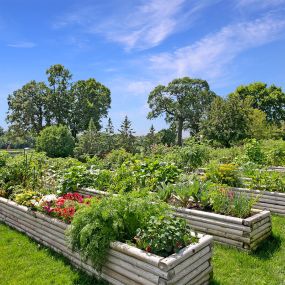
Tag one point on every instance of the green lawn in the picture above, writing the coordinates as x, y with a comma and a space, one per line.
265, 266
22, 261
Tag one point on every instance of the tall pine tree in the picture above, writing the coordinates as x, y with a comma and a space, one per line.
126, 135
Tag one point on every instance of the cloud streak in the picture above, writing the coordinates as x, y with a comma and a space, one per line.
139, 26
211, 55
22, 45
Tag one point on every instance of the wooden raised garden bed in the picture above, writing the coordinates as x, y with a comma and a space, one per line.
245, 234
125, 264
276, 168
272, 201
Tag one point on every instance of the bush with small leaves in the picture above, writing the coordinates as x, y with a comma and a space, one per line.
55, 141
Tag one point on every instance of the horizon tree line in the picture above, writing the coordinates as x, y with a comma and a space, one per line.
187, 104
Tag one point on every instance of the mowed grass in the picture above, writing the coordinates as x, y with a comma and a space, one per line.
266, 266
23, 261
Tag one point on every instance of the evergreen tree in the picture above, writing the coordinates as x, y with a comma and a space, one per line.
126, 135
109, 136
89, 142
110, 128
151, 138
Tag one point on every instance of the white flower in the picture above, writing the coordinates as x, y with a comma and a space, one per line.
34, 202
48, 198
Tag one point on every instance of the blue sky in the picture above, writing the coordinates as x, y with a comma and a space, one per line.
133, 45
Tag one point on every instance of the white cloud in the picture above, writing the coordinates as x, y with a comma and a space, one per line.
22, 45
147, 25
210, 56
130, 87
139, 26
139, 87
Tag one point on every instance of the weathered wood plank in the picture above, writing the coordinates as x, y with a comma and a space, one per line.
125, 264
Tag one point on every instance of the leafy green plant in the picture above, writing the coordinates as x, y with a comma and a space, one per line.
189, 193
116, 158
111, 219
224, 174
147, 173
253, 151
76, 177
185, 191
27, 197
164, 235
151, 173
3, 158
227, 202
191, 156
102, 179
165, 191
25, 170
269, 181
274, 152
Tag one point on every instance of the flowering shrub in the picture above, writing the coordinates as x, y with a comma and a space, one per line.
63, 207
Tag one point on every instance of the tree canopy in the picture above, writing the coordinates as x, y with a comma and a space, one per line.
228, 120
91, 100
28, 107
183, 101
37, 105
269, 99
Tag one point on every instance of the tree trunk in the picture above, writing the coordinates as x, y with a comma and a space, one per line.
179, 131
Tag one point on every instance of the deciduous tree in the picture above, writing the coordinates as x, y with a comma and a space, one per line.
91, 100
228, 120
269, 99
59, 103
27, 108
184, 101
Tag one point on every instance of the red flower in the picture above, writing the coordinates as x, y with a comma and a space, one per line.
148, 248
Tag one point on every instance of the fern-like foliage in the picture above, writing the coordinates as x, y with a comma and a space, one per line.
110, 219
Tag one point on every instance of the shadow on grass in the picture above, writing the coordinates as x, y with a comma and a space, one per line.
268, 247
214, 282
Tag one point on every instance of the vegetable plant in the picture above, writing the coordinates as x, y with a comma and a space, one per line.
164, 235
110, 219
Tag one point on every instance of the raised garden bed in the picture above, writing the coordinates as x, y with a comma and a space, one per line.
125, 264
272, 201
276, 168
245, 234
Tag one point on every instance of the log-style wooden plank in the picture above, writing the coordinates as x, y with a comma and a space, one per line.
215, 222
175, 259
125, 264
